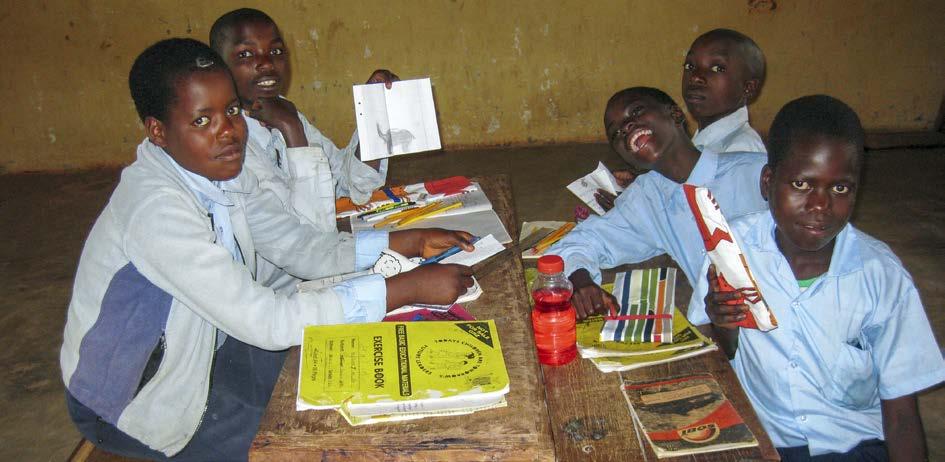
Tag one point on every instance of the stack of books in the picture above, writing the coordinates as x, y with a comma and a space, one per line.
389, 371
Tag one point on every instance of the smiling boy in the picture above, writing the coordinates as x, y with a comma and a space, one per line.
837, 380
723, 72
288, 155
646, 128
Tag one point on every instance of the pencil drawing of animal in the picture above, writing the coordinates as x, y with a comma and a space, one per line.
396, 137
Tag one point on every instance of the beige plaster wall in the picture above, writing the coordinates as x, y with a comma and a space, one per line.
504, 72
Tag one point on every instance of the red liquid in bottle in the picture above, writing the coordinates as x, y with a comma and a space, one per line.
553, 321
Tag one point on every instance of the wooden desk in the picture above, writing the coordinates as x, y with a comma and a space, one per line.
567, 413
520, 431
590, 418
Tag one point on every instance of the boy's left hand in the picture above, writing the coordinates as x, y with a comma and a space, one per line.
429, 242
383, 76
605, 199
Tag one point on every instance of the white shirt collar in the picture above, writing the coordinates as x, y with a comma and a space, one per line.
721, 128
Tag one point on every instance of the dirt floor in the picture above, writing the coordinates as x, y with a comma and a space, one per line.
45, 218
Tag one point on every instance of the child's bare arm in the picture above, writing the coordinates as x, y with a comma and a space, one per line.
280, 113
438, 284
428, 242
588, 297
902, 427
723, 314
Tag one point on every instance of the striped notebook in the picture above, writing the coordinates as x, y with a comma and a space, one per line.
646, 299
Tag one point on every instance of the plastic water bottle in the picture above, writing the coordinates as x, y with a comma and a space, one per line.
553, 316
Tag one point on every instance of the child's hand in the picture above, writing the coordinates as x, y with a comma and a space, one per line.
428, 242
724, 309
588, 297
439, 284
624, 177
383, 76
605, 199
280, 113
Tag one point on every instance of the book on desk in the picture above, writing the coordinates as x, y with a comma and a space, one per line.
389, 371
686, 415
451, 203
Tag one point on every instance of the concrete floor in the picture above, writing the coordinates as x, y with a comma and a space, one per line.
46, 217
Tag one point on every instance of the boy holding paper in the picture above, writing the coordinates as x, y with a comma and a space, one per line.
646, 128
837, 380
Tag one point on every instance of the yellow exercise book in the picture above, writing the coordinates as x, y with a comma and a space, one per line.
384, 371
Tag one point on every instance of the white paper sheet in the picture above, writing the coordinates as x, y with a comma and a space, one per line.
401, 120
585, 187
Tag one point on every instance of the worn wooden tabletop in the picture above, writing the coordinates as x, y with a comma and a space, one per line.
566, 413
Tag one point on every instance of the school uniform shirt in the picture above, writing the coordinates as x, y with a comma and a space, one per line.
307, 180
857, 335
731, 133
154, 281
651, 217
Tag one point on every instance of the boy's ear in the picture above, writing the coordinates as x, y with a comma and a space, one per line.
767, 175
751, 90
677, 114
155, 131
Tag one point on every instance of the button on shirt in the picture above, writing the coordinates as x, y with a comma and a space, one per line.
857, 335
731, 133
652, 217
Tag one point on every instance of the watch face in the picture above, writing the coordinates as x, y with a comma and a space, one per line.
388, 265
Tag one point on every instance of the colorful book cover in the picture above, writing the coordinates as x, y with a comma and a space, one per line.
590, 345
646, 298
726, 255
686, 415
402, 370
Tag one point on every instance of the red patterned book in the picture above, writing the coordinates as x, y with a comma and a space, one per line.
686, 415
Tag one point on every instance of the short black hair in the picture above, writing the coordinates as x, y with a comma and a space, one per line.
810, 116
659, 95
223, 26
158, 68
751, 53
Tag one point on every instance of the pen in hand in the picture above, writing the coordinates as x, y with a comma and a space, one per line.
447, 253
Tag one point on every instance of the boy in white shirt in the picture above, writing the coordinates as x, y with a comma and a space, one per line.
288, 155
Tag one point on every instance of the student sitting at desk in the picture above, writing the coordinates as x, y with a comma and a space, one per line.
722, 74
652, 216
171, 348
288, 155
853, 345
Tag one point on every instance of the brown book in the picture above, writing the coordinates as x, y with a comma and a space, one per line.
686, 415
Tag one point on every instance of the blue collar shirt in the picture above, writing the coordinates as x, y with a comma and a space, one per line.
857, 335
652, 217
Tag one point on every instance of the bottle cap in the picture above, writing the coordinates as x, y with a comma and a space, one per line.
550, 264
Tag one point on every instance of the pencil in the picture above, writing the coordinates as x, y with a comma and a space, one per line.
553, 237
425, 215
404, 214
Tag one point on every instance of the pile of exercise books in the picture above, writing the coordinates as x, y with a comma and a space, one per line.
686, 415
388, 371
659, 334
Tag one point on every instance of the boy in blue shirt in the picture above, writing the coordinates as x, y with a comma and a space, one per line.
646, 128
837, 380
171, 347
723, 72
